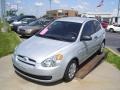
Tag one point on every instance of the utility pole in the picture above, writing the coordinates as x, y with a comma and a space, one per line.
50, 3
3, 14
118, 10
2, 9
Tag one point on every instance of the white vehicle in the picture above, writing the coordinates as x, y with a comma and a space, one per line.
113, 28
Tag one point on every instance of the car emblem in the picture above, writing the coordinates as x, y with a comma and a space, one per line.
25, 58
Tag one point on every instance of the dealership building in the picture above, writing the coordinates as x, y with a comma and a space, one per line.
61, 13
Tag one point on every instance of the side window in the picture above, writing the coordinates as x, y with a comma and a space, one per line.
97, 26
88, 29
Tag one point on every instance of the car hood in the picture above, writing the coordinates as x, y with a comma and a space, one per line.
16, 23
30, 27
38, 48
20, 24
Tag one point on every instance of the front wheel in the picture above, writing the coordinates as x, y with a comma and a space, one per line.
70, 71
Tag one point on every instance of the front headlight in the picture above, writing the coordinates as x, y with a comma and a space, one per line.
29, 31
50, 62
11, 25
53, 61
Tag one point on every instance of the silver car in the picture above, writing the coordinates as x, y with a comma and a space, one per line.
56, 52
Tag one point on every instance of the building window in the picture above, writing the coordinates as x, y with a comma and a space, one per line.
60, 14
66, 14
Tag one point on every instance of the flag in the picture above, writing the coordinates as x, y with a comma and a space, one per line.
101, 3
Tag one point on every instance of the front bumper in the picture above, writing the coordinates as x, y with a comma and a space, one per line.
14, 28
31, 75
25, 33
46, 75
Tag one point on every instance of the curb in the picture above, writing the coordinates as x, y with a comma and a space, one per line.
113, 51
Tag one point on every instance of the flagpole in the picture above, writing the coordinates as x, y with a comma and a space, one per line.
50, 1
3, 9
118, 9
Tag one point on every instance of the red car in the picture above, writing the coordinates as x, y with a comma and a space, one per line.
104, 24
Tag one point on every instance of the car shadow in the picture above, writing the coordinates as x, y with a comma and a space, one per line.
102, 58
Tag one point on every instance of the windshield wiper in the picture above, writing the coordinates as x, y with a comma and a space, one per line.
52, 37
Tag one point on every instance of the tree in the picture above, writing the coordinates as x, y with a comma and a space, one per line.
21, 14
11, 12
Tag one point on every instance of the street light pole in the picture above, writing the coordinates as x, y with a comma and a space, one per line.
3, 9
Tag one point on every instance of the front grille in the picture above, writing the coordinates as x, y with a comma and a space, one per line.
26, 60
21, 30
34, 76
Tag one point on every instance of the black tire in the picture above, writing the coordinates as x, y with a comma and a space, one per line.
111, 30
100, 51
67, 77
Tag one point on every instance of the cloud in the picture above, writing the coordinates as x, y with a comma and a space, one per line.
64, 6
8, 3
83, 6
39, 4
114, 12
112, 3
56, 1
19, 1
13, 6
20, 7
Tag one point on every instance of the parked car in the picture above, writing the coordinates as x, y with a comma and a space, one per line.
10, 19
22, 20
56, 52
113, 28
32, 27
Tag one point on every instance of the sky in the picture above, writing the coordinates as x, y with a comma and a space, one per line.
39, 7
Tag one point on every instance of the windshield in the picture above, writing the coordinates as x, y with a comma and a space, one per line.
61, 30
14, 18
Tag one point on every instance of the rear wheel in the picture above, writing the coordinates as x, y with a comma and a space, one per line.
70, 71
111, 30
100, 51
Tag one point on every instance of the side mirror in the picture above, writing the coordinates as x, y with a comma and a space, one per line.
86, 38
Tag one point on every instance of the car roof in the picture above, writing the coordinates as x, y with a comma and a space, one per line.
75, 19
25, 16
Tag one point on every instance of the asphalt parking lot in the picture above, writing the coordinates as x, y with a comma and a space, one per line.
104, 77
113, 41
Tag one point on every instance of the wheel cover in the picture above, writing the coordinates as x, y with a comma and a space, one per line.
72, 70
102, 47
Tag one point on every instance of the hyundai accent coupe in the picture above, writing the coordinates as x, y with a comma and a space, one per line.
57, 51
